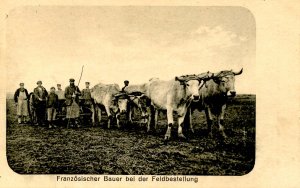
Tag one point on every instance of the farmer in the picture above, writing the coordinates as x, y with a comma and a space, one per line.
86, 95
72, 94
52, 105
61, 98
40, 94
126, 83
87, 99
21, 98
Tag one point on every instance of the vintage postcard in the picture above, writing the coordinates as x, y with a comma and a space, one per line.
149, 95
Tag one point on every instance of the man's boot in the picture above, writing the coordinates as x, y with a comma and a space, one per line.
50, 124
77, 123
25, 119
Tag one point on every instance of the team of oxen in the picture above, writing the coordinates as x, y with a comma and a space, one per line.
182, 95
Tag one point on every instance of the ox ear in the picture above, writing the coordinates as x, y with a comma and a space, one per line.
205, 83
143, 96
216, 80
131, 97
238, 73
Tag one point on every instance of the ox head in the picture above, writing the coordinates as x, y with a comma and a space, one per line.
225, 81
140, 100
120, 100
193, 83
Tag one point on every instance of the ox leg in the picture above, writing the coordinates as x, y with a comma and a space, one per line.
221, 121
99, 114
156, 118
143, 120
118, 120
130, 115
181, 116
170, 123
109, 116
180, 123
190, 120
148, 116
93, 114
209, 120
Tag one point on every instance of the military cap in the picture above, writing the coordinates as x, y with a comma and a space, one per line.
87, 82
52, 88
58, 84
39, 82
21, 84
126, 81
72, 80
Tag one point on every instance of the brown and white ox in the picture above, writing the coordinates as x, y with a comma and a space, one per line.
176, 96
213, 98
138, 100
113, 101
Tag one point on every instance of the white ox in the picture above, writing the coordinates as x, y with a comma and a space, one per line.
213, 98
113, 101
175, 96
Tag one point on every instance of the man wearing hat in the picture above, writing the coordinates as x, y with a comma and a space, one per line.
21, 98
126, 83
40, 94
72, 94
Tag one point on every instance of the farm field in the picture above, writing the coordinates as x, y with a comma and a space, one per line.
130, 150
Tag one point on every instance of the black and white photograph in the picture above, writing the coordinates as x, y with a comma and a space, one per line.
131, 90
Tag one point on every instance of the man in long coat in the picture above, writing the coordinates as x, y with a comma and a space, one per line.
72, 94
40, 94
21, 98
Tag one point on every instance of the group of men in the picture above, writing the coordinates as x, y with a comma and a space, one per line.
49, 103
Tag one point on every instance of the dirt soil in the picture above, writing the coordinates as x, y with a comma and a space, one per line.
130, 150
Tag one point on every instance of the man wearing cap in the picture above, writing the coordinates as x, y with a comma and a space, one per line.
52, 105
61, 97
86, 96
21, 98
126, 83
40, 94
72, 94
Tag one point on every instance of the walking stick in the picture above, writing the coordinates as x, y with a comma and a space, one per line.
75, 96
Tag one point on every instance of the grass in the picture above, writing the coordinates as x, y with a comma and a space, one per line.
130, 150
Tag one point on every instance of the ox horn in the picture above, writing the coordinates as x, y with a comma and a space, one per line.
238, 73
179, 79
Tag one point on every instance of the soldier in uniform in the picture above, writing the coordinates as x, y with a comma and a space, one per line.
86, 96
40, 95
21, 98
52, 105
72, 94
61, 98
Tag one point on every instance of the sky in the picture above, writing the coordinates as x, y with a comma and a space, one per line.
136, 43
